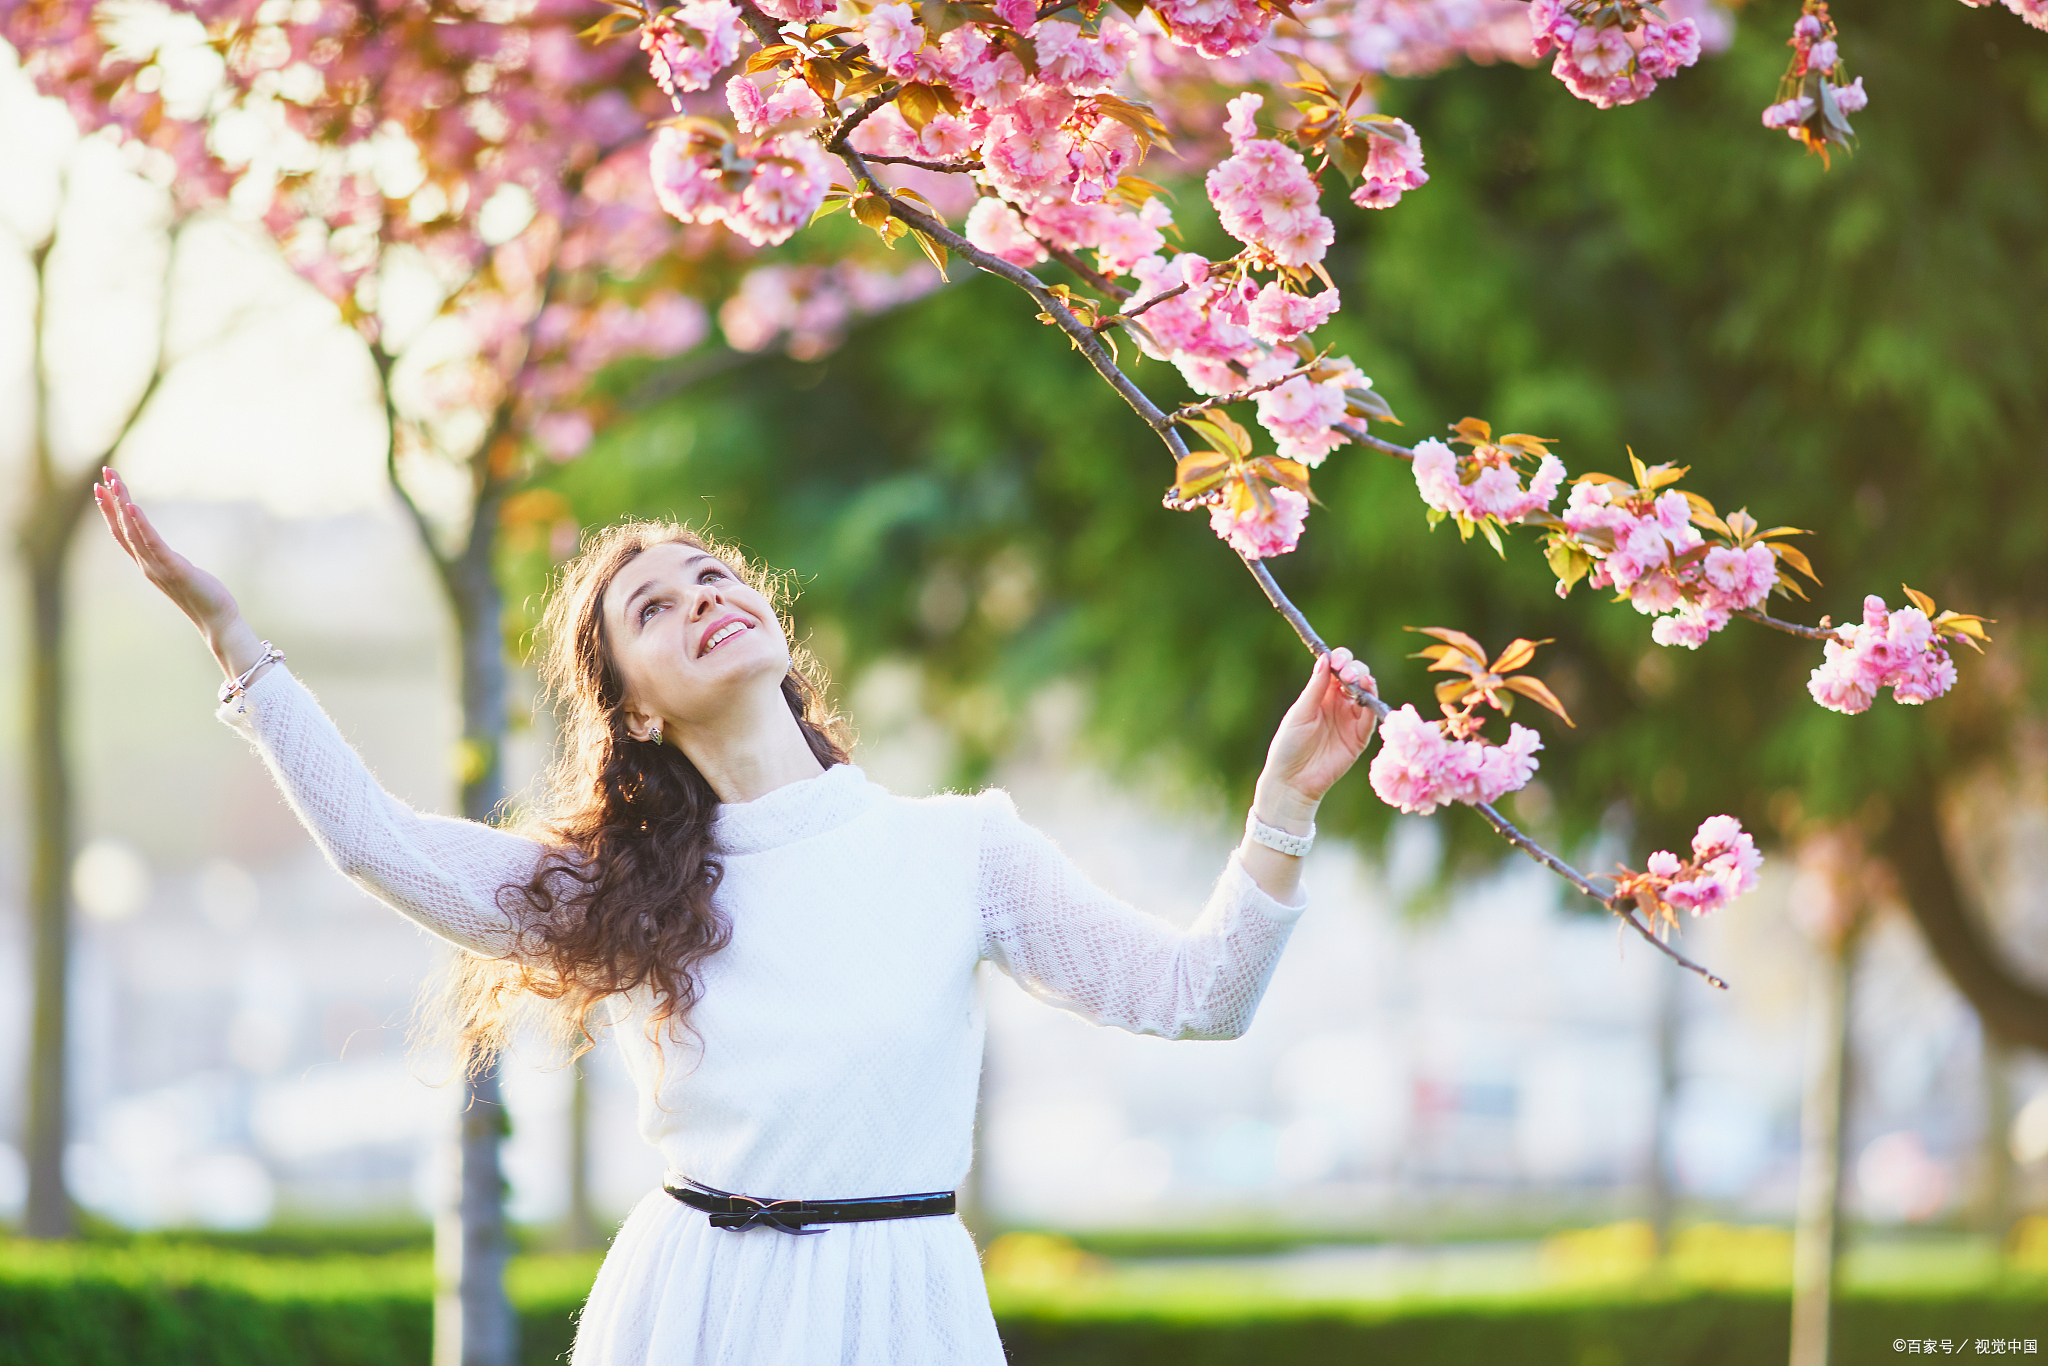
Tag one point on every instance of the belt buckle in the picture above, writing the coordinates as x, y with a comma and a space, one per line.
784, 1215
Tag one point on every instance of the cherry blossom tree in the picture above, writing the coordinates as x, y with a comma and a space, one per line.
1026, 124
471, 191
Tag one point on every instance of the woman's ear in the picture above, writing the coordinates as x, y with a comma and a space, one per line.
640, 725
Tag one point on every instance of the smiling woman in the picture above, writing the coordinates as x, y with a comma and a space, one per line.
783, 951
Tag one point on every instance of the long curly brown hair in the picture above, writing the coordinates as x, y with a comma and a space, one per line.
622, 899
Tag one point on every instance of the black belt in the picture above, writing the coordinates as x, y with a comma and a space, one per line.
735, 1212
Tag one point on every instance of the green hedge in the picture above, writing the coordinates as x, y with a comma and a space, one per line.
199, 1307
1717, 1328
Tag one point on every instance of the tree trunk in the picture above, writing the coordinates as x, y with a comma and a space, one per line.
579, 1228
1663, 1190
1991, 1201
49, 527
1817, 1236
473, 1320
2011, 1007
56, 505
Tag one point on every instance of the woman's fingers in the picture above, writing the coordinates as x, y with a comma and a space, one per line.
107, 494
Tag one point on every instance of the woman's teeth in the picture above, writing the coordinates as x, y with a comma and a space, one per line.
730, 629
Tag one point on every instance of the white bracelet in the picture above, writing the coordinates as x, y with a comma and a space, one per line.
1275, 839
239, 687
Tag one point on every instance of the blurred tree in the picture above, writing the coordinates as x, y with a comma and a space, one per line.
1855, 350
59, 491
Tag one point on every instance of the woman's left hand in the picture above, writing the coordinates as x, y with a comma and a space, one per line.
1318, 741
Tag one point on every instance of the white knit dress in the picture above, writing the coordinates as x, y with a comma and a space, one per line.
839, 1035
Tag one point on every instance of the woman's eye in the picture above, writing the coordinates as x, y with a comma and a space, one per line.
711, 574
645, 608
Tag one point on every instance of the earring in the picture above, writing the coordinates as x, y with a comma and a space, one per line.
654, 736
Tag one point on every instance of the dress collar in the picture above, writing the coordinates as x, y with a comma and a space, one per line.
794, 811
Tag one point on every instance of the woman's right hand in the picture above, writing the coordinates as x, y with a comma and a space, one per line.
198, 594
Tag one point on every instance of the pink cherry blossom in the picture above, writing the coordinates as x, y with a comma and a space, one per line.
1279, 314
1894, 649
1302, 416
1789, 114
1852, 97
1260, 535
893, 38
1393, 168
1420, 768
690, 44
996, 228
1214, 28
1265, 198
1242, 122
1822, 56
1496, 491
755, 112
1724, 866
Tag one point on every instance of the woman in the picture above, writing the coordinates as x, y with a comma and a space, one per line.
784, 950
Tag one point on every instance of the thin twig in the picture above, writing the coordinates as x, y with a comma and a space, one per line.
1622, 910
1113, 319
960, 167
1790, 628
1366, 438
1095, 278
859, 116
1188, 410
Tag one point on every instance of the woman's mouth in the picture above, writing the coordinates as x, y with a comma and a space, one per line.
723, 634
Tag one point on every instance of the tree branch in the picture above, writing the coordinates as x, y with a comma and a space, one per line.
1188, 410
1089, 344
1131, 314
1790, 628
1365, 438
953, 167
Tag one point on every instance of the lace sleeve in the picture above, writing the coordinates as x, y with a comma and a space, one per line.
441, 872
1072, 944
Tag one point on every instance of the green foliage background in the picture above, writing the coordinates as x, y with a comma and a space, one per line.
1862, 351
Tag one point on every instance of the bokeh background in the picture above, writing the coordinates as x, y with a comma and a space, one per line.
1460, 1085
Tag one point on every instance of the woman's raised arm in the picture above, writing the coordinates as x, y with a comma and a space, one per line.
1072, 944
441, 872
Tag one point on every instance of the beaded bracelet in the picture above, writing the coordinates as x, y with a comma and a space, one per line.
239, 687
1280, 841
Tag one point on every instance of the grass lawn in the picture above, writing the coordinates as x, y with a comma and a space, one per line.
1581, 1299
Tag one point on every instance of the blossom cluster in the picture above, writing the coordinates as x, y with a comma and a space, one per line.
1816, 93
1259, 528
1648, 550
1483, 484
1611, 53
1421, 766
1723, 866
2034, 12
1264, 195
763, 197
1900, 650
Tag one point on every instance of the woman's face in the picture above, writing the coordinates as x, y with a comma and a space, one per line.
689, 640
